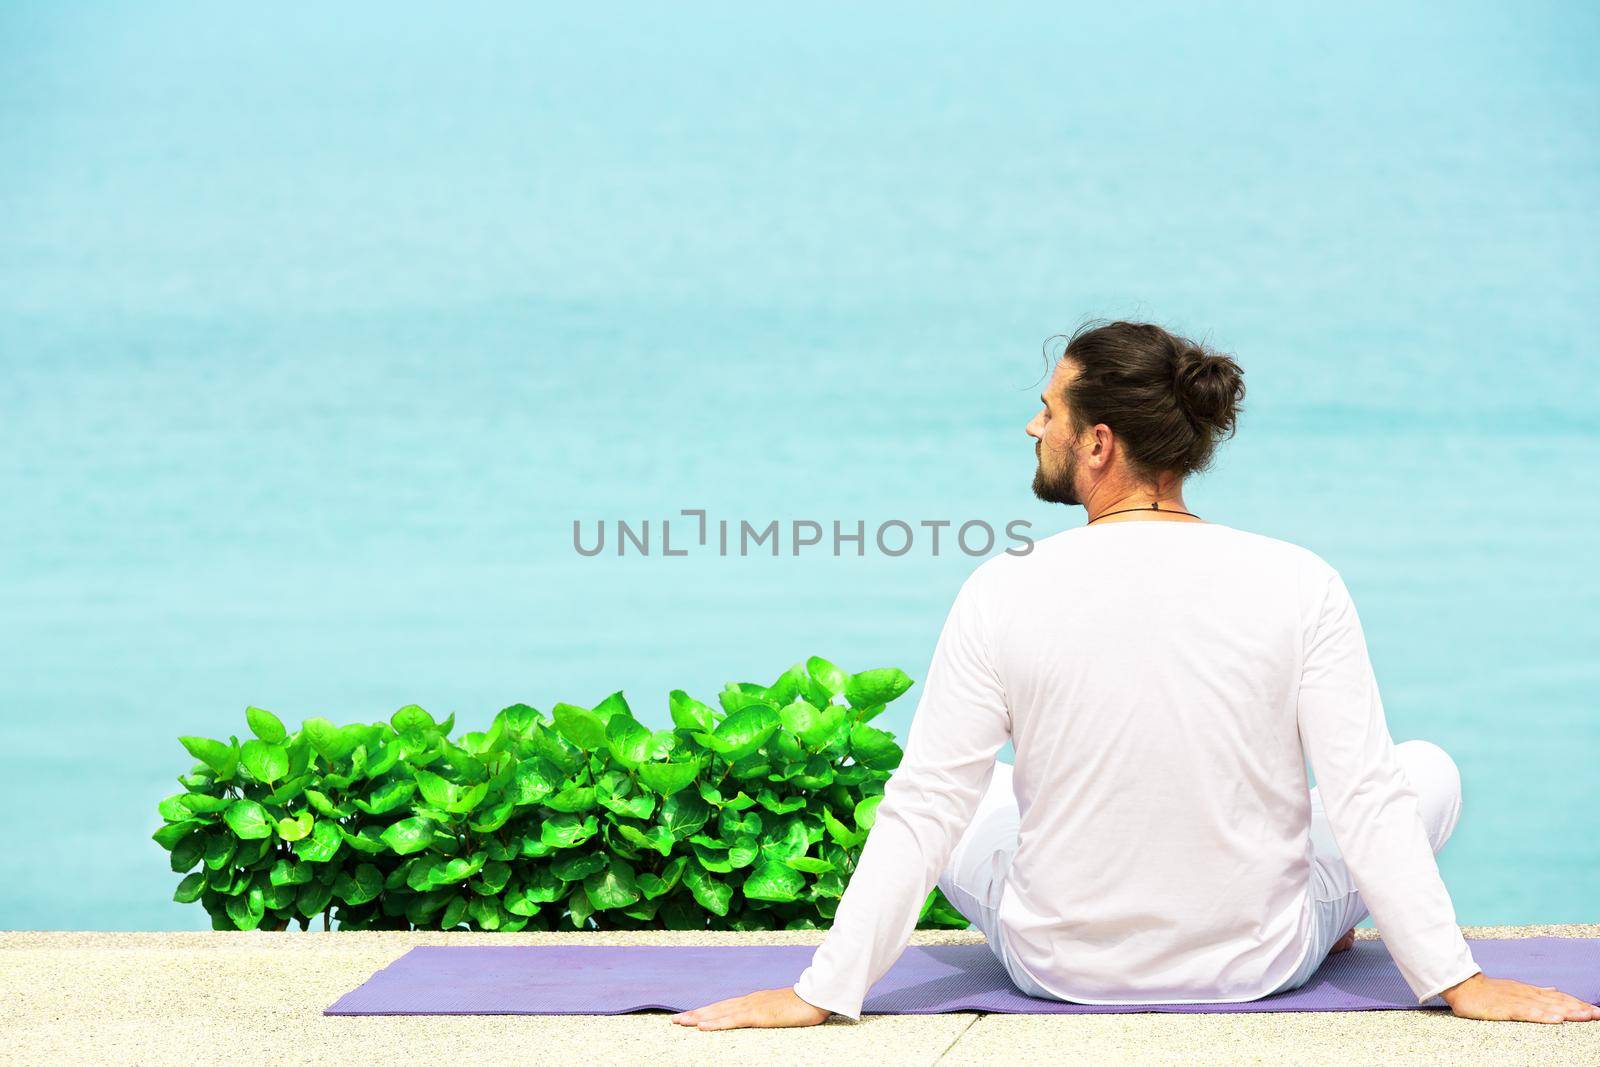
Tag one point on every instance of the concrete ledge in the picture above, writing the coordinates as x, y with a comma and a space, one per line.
186, 998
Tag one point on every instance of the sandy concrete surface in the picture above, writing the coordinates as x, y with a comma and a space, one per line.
202, 998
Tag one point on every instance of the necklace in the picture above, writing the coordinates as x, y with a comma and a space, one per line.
1153, 507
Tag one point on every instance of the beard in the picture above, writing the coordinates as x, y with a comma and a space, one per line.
1056, 487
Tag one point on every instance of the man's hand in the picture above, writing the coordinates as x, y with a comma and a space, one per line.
769, 1007
1482, 997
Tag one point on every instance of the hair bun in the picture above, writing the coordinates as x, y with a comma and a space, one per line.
1168, 399
1209, 388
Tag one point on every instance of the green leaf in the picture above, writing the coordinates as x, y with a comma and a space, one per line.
266, 763
189, 889
331, 742
779, 805
689, 714
840, 832
876, 687
491, 819
288, 872
736, 696
387, 797
628, 741
222, 759
265, 725
809, 864
655, 885
409, 835
219, 850
457, 869
644, 910
323, 844
412, 720
615, 704
566, 830
785, 840
637, 806
710, 856
173, 809
784, 749
832, 727
453, 913
572, 799
297, 828
492, 880
204, 804
246, 909
248, 820
800, 718
560, 752
421, 872
790, 684
733, 824
534, 779
683, 813
709, 893
453, 798
867, 812
579, 908
169, 836
369, 840
384, 761
299, 749
278, 897
519, 718
580, 726
655, 837
831, 678
313, 899
743, 851
669, 778
542, 887
614, 887
775, 881
666, 745
188, 851
577, 868
323, 806
874, 748
745, 731
469, 799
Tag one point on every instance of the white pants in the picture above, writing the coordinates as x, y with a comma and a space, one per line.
977, 871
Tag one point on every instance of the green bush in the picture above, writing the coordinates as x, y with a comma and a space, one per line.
747, 817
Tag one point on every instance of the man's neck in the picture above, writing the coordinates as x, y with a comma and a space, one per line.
1138, 504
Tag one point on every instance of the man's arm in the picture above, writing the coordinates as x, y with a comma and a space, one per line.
1371, 807
1372, 810
960, 724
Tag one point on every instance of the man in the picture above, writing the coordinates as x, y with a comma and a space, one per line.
1164, 680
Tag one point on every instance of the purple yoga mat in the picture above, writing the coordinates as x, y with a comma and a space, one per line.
927, 980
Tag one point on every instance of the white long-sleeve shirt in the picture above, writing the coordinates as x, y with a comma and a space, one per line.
1163, 684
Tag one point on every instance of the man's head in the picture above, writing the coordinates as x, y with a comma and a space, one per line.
1129, 404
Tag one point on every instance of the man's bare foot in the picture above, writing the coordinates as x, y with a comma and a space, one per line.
1346, 942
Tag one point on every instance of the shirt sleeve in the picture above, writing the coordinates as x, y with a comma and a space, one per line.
959, 726
1371, 806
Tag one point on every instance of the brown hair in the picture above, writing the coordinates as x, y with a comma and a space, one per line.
1168, 399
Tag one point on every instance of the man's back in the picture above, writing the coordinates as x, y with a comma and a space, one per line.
1151, 671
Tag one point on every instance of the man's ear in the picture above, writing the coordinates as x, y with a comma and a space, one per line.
1102, 442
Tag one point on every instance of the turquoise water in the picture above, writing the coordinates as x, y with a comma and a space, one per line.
317, 336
